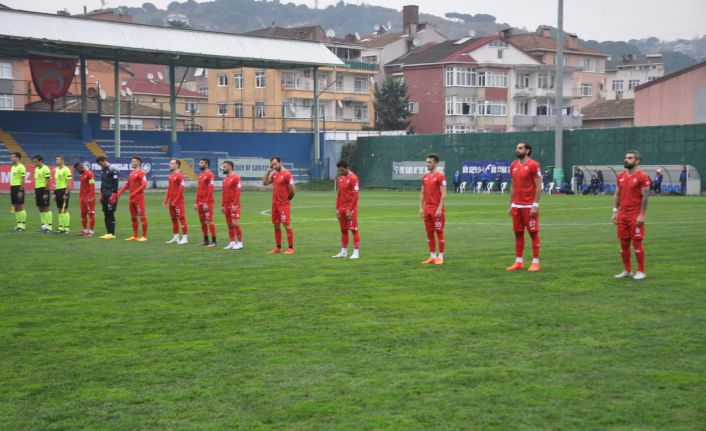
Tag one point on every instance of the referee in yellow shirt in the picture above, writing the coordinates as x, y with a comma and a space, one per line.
42, 174
17, 192
63, 184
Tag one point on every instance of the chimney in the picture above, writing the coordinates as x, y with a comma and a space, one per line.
85, 10
545, 31
572, 41
410, 19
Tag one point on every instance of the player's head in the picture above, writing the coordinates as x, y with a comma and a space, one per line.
15, 157
276, 163
343, 167
632, 159
522, 150
38, 160
80, 167
204, 164
432, 161
174, 164
102, 161
60, 160
136, 162
228, 167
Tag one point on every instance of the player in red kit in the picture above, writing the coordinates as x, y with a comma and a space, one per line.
347, 208
230, 205
525, 191
87, 199
282, 193
175, 199
205, 202
631, 195
136, 183
432, 200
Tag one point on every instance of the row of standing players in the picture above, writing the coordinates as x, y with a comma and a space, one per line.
629, 209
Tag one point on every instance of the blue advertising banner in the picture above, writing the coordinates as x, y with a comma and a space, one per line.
123, 165
485, 170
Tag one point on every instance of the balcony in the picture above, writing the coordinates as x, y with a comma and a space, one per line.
546, 121
359, 65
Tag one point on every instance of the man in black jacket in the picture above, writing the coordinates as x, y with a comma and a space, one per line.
109, 195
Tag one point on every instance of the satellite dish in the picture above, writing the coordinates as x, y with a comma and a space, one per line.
122, 93
331, 33
124, 83
150, 76
160, 76
389, 25
338, 102
102, 95
417, 42
471, 33
357, 36
92, 92
128, 91
376, 27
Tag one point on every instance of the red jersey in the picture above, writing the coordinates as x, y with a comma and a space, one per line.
175, 190
524, 175
136, 183
88, 185
432, 184
280, 190
630, 187
231, 191
348, 188
204, 191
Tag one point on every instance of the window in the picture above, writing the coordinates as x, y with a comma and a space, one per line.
633, 83
202, 90
492, 79
339, 82
522, 108
260, 80
498, 43
222, 109
222, 80
289, 79
652, 78
5, 70
191, 106
127, 124
545, 109
323, 82
460, 77
500, 54
339, 111
7, 102
413, 107
239, 110
545, 80
260, 109
457, 105
523, 80
586, 89
360, 85
589, 64
492, 108
360, 112
450, 130
238, 78
617, 85
566, 60
288, 109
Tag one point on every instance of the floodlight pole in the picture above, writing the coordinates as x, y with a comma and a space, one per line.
116, 71
174, 150
315, 114
559, 100
84, 99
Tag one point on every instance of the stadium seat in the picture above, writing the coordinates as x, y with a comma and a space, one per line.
550, 188
462, 187
489, 187
479, 186
503, 187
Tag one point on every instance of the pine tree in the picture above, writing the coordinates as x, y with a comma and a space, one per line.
391, 105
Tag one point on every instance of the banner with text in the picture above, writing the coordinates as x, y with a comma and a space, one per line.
412, 170
247, 168
472, 170
29, 177
123, 165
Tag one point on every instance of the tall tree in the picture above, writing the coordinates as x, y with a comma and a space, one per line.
391, 105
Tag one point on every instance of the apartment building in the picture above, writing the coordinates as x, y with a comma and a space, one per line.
623, 75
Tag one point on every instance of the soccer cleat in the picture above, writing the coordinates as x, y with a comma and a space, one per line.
516, 266
534, 268
15, 229
276, 250
108, 236
639, 276
132, 238
213, 244
183, 241
42, 230
172, 241
206, 243
88, 234
439, 261
289, 251
624, 274
340, 255
238, 246
142, 239
430, 261
355, 256
80, 234
230, 246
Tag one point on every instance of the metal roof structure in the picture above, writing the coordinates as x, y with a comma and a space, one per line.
25, 33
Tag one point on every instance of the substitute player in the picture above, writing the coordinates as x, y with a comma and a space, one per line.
629, 210
42, 175
347, 208
205, 202
432, 202
230, 205
175, 199
282, 193
17, 191
136, 184
63, 184
109, 195
87, 199
525, 191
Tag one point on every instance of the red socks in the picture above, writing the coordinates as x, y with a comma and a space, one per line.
290, 237
239, 233
639, 254
442, 242
134, 227
184, 228
231, 233
625, 254
144, 227
278, 237
204, 228
356, 239
344, 238
212, 228
431, 241
519, 244
534, 236
175, 226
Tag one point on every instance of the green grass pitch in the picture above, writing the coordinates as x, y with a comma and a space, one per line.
116, 335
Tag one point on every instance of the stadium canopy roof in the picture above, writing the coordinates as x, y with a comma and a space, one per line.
25, 33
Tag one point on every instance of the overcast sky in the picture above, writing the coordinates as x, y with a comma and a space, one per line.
596, 19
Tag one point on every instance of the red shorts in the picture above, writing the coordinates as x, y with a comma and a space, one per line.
521, 220
137, 207
205, 211
232, 214
628, 228
281, 214
432, 222
87, 208
348, 224
176, 211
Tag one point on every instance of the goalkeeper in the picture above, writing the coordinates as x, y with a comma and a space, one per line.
109, 195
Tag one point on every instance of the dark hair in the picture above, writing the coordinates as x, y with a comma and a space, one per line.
527, 147
433, 156
208, 162
278, 158
139, 159
77, 164
38, 158
101, 159
17, 154
178, 162
636, 153
229, 163
60, 156
342, 164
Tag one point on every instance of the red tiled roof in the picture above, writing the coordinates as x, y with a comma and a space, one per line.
609, 109
535, 41
444, 52
373, 40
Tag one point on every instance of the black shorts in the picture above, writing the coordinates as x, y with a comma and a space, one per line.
62, 198
107, 206
41, 195
17, 195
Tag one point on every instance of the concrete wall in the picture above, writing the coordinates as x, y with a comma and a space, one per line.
673, 101
426, 86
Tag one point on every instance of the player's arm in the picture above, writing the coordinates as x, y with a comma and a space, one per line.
643, 207
509, 207
291, 189
143, 184
537, 194
616, 206
421, 202
91, 190
69, 183
442, 201
125, 187
267, 179
179, 190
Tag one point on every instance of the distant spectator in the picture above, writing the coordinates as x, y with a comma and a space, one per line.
682, 180
546, 179
657, 183
498, 180
593, 188
578, 175
484, 177
457, 182
601, 185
